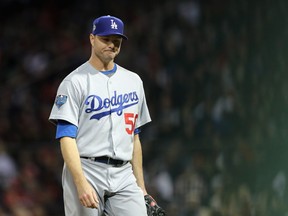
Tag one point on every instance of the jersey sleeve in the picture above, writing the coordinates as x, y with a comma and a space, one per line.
144, 115
67, 104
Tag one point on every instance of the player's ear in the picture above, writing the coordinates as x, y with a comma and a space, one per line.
92, 38
118, 51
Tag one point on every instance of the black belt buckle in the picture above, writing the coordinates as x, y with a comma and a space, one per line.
119, 163
115, 162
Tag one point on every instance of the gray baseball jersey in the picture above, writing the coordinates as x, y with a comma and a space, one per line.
105, 109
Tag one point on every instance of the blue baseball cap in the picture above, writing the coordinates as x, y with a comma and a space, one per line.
108, 25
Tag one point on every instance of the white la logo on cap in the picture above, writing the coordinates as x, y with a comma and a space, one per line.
113, 24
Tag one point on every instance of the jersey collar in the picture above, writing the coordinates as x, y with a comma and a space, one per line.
109, 72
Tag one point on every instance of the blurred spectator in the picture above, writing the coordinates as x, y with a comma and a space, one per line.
215, 74
8, 169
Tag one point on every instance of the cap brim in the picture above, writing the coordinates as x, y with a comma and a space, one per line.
107, 34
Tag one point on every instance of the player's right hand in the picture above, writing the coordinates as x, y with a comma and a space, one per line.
87, 195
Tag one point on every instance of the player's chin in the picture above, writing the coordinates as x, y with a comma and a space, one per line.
110, 56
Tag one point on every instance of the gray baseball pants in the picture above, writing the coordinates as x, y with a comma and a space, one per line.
116, 187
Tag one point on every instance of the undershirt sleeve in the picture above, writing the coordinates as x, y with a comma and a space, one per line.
65, 129
137, 130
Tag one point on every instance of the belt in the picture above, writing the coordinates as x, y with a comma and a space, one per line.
107, 160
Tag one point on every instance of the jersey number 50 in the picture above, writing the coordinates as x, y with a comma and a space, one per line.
130, 120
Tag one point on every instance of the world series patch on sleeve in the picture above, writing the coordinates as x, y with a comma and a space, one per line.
153, 209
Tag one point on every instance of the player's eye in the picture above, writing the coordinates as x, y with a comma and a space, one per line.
117, 42
103, 38
106, 39
111, 39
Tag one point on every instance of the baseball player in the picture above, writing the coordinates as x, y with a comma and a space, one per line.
98, 110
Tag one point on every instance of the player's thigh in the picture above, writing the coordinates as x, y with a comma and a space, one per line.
128, 202
72, 203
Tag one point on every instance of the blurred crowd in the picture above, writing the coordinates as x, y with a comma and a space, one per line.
215, 76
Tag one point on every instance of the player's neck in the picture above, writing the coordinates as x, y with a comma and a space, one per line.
101, 66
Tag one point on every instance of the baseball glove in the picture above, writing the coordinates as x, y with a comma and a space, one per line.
153, 209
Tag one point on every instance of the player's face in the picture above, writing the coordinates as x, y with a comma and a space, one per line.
106, 48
